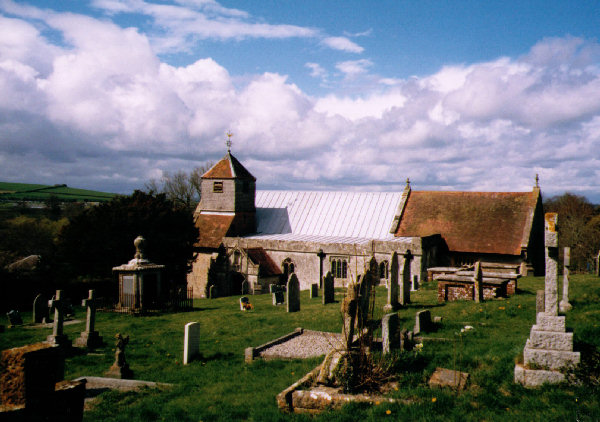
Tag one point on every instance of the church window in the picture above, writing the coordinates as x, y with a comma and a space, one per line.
218, 187
339, 267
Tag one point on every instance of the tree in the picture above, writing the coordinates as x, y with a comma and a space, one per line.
180, 187
101, 237
578, 227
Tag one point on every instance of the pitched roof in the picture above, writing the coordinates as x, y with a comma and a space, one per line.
259, 257
212, 228
228, 168
340, 214
484, 222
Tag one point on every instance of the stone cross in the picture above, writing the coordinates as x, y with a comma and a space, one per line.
551, 281
405, 284
57, 337
321, 256
564, 304
328, 289
293, 294
478, 282
89, 338
392, 293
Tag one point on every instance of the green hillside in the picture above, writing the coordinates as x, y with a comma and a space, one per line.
34, 192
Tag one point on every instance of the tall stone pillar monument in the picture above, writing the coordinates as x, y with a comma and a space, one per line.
549, 345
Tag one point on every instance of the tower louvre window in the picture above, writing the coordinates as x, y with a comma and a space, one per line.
218, 187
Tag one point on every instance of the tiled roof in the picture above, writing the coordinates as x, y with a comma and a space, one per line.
331, 214
484, 222
267, 266
228, 168
212, 229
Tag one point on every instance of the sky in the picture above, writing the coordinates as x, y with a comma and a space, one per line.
319, 95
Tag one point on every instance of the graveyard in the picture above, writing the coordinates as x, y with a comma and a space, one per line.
482, 339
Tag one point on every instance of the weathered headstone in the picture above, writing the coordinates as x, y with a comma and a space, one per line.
245, 287
389, 332
191, 342
422, 322
120, 368
14, 318
443, 377
278, 293
57, 337
478, 282
314, 290
392, 292
549, 346
244, 301
365, 287
564, 304
349, 313
328, 289
540, 300
405, 284
40, 309
89, 338
293, 294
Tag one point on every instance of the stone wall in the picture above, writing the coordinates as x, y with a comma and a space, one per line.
198, 277
451, 290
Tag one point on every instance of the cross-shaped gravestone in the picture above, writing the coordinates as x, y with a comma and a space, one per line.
57, 337
89, 338
321, 256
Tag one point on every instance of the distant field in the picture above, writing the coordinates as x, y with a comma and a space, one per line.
33, 192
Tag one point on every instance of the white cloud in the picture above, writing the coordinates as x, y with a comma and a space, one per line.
352, 68
316, 70
343, 44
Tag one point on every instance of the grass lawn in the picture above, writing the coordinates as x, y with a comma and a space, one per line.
220, 386
33, 192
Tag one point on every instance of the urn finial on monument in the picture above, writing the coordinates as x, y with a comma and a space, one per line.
140, 246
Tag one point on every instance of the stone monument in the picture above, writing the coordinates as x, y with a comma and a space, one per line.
392, 293
57, 338
89, 338
564, 304
406, 282
389, 332
120, 368
40, 309
549, 345
328, 289
293, 294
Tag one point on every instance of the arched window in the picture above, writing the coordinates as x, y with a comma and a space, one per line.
339, 267
344, 269
333, 267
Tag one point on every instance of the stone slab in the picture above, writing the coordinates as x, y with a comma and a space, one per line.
546, 322
551, 340
443, 377
549, 359
533, 378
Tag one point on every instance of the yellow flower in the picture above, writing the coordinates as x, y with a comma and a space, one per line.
433, 399
377, 403
388, 412
501, 308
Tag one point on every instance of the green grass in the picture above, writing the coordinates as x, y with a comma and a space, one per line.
220, 386
35, 192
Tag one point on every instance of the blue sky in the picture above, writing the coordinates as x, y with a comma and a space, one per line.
320, 95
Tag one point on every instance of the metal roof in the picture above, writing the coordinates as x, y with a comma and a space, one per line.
364, 215
324, 239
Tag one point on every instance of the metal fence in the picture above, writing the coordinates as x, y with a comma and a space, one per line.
175, 300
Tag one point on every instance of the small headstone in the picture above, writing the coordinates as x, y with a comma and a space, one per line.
293, 294
406, 280
392, 292
57, 337
365, 289
540, 300
422, 322
564, 304
191, 342
314, 290
349, 314
448, 378
245, 287
90, 337
437, 319
212, 292
389, 332
40, 309
244, 302
478, 282
14, 318
328, 289
279, 297
120, 368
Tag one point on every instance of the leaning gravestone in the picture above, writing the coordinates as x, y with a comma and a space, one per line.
549, 346
90, 337
389, 332
392, 293
40, 309
57, 337
314, 290
191, 342
328, 289
293, 294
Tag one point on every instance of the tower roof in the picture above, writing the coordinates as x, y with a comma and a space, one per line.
228, 168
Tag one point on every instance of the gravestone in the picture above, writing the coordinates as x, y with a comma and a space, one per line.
278, 293
477, 282
349, 313
314, 290
540, 301
212, 292
549, 345
90, 337
293, 294
244, 301
392, 292
415, 283
245, 287
120, 368
57, 337
40, 309
328, 289
14, 318
422, 322
389, 332
405, 283
598, 264
564, 304
365, 290
191, 342
406, 340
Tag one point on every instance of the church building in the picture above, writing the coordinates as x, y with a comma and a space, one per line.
260, 237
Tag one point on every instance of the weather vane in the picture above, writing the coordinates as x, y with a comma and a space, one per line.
228, 142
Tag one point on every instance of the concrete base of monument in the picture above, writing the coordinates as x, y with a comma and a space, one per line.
532, 378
